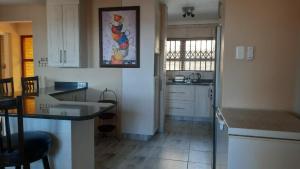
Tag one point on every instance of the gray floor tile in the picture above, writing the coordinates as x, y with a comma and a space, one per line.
184, 145
165, 164
203, 157
198, 166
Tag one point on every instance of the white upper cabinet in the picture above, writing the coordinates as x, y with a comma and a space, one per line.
55, 33
66, 42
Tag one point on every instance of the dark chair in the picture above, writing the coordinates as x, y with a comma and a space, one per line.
30, 86
7, 87
22, 148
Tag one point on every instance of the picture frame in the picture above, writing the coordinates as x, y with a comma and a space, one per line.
119, 37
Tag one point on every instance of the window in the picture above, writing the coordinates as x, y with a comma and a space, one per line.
189, 55
27, 56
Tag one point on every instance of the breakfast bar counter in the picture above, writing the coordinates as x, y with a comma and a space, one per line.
66, 114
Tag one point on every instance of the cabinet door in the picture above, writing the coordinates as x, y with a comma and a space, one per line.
71, 35
178, 108
55, 34
180, 92
202, 105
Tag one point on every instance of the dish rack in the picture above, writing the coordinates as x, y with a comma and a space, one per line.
109, 120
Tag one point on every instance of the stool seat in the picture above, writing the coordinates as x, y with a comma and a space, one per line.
36, 144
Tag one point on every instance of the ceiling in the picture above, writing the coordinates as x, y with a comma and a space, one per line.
20, 2
205, 11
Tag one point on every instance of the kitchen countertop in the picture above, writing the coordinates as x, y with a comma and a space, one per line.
203, 82
46, 106
262, 123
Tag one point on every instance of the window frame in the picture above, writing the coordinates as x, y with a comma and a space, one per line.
182, 57
23, 59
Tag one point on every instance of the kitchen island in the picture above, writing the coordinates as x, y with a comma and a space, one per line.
259, 139
65, 114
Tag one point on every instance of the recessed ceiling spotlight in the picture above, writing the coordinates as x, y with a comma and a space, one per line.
188, 11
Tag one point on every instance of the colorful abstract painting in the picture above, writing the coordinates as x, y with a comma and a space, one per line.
119, 37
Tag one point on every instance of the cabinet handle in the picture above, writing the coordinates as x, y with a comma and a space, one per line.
60, 56
65, 56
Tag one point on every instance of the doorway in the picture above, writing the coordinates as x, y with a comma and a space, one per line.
192, 78
17, 58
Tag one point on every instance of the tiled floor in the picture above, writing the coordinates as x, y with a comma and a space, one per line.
184, 145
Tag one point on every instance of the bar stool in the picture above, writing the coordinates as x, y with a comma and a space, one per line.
30, 86
7, 87
108, 120
22, 148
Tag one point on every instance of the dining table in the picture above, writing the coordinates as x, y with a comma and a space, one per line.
66, 113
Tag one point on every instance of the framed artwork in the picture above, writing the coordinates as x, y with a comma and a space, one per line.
119, 37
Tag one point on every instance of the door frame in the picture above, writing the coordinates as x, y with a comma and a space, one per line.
217, 86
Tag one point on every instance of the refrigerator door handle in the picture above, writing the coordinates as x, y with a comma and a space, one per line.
220, 119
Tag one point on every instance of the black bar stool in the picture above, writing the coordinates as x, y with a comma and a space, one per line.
7, 87
30, 86
22, 148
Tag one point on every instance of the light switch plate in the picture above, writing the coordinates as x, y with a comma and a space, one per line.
240, 52
250, 53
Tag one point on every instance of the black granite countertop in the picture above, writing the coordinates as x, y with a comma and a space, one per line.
46, 106
203, 82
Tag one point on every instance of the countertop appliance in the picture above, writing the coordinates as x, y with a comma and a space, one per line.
179, 78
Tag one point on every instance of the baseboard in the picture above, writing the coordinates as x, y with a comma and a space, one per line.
186, 118
140, 137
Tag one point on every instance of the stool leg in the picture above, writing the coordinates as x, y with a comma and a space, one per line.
46, 162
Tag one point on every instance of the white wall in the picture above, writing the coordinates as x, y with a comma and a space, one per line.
191, 31
297, 90
269, 81
138, 84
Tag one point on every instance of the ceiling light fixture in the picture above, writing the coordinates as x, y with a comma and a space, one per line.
188, 11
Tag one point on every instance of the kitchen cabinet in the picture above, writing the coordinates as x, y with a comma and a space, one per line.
66, 33
203, 101
256, 140
189, 100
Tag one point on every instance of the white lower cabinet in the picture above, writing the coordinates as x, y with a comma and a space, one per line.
262, 153
243, 152
189, 100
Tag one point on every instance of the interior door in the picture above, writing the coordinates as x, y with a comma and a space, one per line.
55, 34
71, 35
